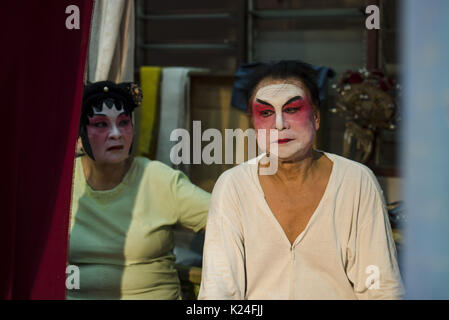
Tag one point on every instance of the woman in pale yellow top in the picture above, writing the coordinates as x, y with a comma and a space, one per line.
315, 228
124, 208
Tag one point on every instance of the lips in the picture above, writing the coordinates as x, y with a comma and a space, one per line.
282, 141
115, 148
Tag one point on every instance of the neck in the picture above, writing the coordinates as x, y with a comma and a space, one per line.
299, 168
104, 176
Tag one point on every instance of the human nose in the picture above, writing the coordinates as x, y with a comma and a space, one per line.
281, 122
115, 132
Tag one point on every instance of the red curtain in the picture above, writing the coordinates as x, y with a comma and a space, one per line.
42, 72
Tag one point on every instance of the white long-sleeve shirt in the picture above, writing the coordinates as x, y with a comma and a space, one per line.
346, 250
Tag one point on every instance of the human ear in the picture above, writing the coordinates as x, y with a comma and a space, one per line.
317, 119
79, 145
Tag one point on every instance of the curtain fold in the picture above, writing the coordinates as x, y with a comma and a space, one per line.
41, 83
111, 50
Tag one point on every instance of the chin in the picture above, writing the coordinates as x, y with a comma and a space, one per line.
284, 155
294, 151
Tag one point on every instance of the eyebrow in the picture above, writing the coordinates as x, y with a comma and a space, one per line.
292, 99
264, 102
288, 102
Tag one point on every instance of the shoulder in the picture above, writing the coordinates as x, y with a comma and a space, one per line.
79, 180
230, 191
356, 186
238, 176
235, 185
356, 176
350, 169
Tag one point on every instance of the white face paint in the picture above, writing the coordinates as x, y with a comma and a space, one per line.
110, 134
285, 109
111, 115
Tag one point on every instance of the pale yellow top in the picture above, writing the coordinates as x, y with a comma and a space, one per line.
122, 240
345, 247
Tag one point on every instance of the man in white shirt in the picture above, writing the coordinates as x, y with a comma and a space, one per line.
315, 229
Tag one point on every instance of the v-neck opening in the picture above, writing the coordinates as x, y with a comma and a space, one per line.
315, 212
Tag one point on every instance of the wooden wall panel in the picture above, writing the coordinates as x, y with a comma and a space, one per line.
211, 104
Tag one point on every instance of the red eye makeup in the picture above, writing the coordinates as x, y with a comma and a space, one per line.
262, 109
293, 106
99, 122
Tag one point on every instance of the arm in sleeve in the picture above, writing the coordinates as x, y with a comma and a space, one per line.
223, 274
372, 260
190, 202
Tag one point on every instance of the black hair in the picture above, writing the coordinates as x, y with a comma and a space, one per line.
106, 91
124, 96
285, 69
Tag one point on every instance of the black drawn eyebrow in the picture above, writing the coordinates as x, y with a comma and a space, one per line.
264, 102
292, 99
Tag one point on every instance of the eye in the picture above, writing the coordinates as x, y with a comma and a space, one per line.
291, 110
266, 113
100, 124
124, 123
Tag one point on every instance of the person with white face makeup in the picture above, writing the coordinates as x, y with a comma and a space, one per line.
316, 228
124, 208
